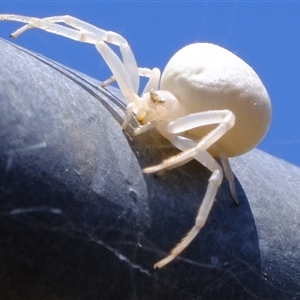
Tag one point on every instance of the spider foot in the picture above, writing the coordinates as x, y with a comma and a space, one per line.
179, 247
108, 81
158, 169
164, 261
233, 193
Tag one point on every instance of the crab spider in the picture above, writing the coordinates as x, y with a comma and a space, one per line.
208, 103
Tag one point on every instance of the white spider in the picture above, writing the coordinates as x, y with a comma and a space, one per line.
208, 103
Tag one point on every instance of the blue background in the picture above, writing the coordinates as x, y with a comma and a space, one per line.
264, 34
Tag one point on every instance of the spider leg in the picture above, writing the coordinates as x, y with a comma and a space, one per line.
83, 32
197, 150
115, 39
143, 128
189, 143
85, 28
153, 82
214, 182
154, 77
225, 120
229, 176
125, 71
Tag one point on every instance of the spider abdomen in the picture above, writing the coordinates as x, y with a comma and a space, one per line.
206, 77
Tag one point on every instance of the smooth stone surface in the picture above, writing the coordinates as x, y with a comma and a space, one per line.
79, 219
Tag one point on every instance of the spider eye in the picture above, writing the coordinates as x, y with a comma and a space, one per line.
156, 98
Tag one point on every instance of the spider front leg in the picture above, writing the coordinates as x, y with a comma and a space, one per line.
83, 32
197, 150
124, 69
215, 181
89, 33
152, 84
229, 176
225, 120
